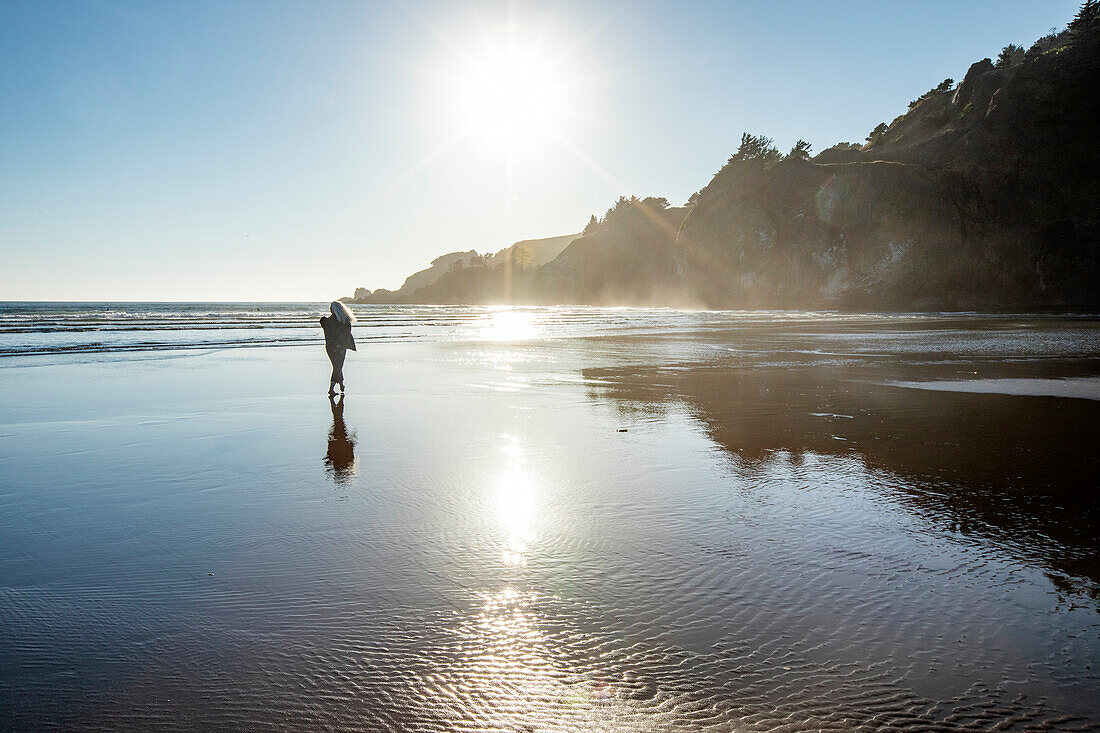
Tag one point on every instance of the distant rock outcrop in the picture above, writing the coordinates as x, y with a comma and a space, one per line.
439, 266
527, 254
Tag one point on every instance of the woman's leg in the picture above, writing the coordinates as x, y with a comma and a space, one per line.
336, 356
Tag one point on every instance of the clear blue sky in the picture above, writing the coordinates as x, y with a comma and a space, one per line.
283, 150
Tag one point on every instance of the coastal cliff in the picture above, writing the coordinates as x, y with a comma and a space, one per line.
420, 287
983, 196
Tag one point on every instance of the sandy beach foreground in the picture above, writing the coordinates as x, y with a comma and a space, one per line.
730, 530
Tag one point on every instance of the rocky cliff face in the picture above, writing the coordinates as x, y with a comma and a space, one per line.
984, 196
799, 234
980, 197
877, 235
629, 261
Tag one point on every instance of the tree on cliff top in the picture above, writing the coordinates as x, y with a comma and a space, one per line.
521, 258
1086, 16
1010, 55
756, 147
657, 203
800, 151
878, 132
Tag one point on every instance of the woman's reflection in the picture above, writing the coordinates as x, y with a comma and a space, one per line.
340, 459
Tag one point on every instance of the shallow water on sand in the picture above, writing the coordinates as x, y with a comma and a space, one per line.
719, 523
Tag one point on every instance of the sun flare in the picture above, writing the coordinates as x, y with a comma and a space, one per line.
511, 99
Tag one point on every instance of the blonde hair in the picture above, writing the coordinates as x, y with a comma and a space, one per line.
341, 313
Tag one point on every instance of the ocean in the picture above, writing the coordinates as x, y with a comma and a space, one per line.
45, 328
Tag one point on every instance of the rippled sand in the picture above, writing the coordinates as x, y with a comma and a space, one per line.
750, 528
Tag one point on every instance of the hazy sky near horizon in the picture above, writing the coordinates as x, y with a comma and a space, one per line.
296, 150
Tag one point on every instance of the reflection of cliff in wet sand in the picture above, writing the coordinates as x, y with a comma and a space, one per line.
340, 458
1017, 469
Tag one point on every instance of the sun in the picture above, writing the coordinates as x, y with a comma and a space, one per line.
511, 99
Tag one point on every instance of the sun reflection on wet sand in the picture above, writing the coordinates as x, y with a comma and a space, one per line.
515, 505
518, 651
524, 685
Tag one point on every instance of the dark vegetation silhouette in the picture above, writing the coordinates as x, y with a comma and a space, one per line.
800, 151
1010, 56
984, 195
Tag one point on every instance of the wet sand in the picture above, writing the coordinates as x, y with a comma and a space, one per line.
724, 530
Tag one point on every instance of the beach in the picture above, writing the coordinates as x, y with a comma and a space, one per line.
541, 519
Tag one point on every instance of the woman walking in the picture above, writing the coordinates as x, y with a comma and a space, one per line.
338, 340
